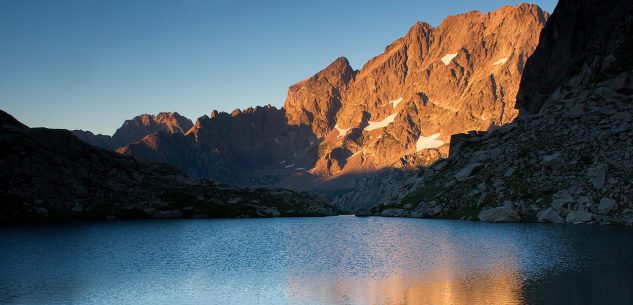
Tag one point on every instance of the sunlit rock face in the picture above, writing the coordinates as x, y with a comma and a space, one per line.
316, 100
426, 86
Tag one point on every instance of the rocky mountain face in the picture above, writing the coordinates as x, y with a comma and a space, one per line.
51, 174
426, 86
137, 128
398, 111
569, 157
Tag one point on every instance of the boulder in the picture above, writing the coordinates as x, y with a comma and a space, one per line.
499, 214
554, 161
480, 157
561, 198
579, 216
597, 175
605, 93
465, 172
549, 215
623, 82
392, 213
510, 171
606, 205
440, 165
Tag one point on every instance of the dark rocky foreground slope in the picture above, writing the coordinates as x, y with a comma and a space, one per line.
569, 157
51, 174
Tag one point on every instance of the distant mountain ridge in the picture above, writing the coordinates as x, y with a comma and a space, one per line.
255, 146
137, 128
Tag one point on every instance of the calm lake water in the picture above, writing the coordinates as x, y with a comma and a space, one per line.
334, 260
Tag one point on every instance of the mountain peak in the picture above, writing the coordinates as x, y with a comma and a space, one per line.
316, 100
336, 73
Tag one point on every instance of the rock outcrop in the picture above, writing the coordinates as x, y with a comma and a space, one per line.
569, 156
51, 174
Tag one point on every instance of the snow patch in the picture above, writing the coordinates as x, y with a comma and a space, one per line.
448, 58
501, 61
341, 131
382, 124
428, 142
395, 102
290, 166
300, 169
282, 162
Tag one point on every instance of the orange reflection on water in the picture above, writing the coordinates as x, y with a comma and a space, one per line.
445, 278
440, 287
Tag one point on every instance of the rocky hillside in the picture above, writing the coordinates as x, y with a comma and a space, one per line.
51, 174
398, 111
137, 128
569, 157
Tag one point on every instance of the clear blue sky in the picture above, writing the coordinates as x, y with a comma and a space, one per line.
90, 64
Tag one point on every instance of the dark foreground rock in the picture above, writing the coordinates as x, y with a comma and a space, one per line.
51, 174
